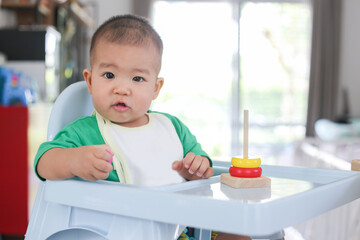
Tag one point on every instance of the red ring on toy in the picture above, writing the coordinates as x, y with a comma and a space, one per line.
245, 172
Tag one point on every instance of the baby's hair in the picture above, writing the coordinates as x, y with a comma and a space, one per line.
127, 29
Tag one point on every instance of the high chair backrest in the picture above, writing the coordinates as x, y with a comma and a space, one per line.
74, 102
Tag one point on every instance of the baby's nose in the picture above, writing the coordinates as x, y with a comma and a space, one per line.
122, 89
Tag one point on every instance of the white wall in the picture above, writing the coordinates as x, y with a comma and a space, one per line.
103, 10
350, 56
108, 8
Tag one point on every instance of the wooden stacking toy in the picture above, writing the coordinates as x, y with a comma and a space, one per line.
355, 165
245, 172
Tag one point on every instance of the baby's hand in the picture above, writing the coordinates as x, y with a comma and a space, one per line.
92, 162
193, 167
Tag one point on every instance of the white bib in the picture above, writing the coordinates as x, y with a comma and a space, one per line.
148, 151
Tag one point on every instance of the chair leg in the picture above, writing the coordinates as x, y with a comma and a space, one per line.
202, 234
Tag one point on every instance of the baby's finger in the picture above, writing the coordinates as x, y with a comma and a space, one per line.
189, 158
111, 154
203, 167
102, 166
195, 164
90, 177
177, 165
103, 152
98, 175
208, 173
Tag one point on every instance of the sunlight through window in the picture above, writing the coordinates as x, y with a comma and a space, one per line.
262, 47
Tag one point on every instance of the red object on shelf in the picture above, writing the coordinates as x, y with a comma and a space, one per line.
13, 170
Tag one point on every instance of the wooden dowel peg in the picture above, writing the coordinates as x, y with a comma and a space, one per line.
246, 134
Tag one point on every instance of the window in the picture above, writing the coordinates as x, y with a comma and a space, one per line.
223, 57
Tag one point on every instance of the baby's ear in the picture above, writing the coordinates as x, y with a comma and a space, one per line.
87, 77
158, 85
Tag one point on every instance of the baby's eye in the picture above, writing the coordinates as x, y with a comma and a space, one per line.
138, 79
109, 75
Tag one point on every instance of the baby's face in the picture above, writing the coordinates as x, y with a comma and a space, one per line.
123, 81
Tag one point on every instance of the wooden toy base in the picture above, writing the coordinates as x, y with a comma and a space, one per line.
236, 182
355, 165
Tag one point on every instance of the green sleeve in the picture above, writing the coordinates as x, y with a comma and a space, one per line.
187, 139
81, 132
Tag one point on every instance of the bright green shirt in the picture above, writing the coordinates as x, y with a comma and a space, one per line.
85, 131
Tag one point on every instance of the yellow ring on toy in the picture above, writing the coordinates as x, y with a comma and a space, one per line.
246, 162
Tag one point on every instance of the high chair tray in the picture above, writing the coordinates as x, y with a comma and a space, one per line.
296, 194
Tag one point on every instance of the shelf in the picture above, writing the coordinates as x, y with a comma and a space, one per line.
32, 12
18, 5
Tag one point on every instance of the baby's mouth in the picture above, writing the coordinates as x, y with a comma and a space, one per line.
121, 104
121, 107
